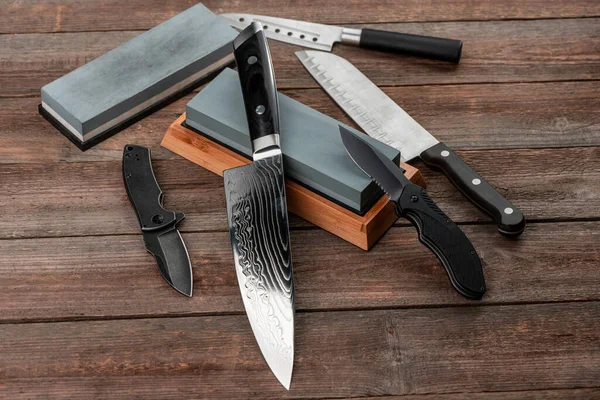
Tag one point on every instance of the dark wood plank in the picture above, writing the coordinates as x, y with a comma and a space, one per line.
338, 354
560, 394
103, 15
466, 117
108, 276
28, 138
504, 51
89, 198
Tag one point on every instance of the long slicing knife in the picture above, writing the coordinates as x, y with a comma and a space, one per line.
322, 37
380, 117
257, 211
159, 226
442, 236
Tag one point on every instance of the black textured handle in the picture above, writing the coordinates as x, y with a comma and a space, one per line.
414, 45
143, 190
509, 218
445, 239
258, 81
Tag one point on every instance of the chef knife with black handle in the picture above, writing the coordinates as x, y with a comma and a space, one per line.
257, 211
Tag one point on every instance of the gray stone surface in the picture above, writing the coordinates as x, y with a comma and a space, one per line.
314, 153
140, 70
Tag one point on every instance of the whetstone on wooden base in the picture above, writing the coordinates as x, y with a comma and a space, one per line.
360, 230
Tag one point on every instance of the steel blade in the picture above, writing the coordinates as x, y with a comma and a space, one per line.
172, 258
382, 170
259, 232
378, 115
306, 34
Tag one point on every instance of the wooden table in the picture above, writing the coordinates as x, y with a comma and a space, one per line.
85, 314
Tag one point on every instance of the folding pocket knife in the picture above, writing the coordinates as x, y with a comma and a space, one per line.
159, 226
436, 231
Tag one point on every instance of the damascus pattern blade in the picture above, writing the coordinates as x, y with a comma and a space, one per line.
259, 231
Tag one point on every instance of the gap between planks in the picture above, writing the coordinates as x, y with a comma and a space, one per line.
588, 391
302, 311
313, 228
384, 86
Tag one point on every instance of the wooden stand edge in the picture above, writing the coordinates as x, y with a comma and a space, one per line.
362, 231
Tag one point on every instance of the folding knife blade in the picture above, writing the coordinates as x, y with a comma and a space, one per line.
382, 170
161, 237
306, 34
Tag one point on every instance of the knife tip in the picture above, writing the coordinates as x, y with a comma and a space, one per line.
187, 293
285, 379
184, 289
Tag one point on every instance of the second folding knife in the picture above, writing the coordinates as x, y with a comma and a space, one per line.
159, 226
436, 231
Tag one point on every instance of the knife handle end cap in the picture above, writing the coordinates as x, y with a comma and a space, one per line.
247, 33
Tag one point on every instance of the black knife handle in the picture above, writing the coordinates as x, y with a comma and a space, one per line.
258, 82
143, 190
445, 239
414, 45
509, 218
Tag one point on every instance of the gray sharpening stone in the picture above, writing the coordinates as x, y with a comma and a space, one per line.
314, 154
106, 94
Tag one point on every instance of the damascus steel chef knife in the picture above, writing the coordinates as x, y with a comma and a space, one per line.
380, 117
442, 236
159, 226
257, 211
322, 37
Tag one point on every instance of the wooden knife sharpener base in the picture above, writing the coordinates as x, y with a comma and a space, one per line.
360, 230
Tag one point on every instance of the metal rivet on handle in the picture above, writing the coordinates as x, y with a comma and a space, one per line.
476, 181
445, 153
260, 109
508, 210
252, 60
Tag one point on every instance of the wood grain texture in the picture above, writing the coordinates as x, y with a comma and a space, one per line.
113, 276
563, 394
49, 200
521, 108
465, 117
106, 15
502, 51
338, 354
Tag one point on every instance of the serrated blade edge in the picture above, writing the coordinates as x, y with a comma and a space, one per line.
387, 175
